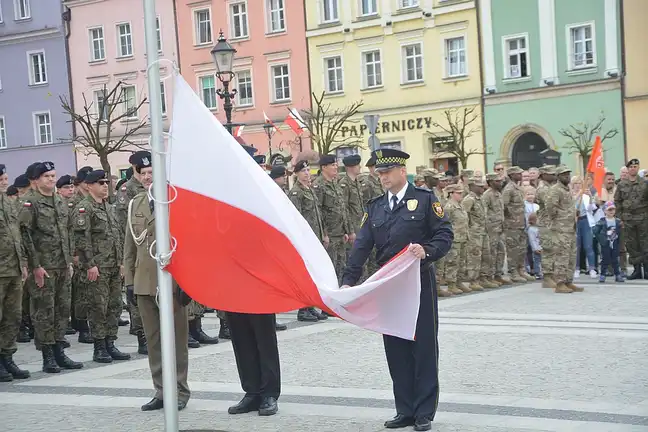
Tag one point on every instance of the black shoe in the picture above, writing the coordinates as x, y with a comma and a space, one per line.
23, 335
210, 310
280, 327
5, 375
49, 362
191, 342
305, 315
321, 315
122, 322
85, 337
32, 333
196, 331
400, 421
154, 405
422, 424
100, 354
114, 352
10, 366
182, 405
63, 360
65, 343
645, 271
247, 404
268, 406
637, 273
142, 345
224, 332
70, 329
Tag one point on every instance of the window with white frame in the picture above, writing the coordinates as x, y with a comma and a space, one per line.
22, 10
582, 46
372, 67
129, 99
404, 4
101, 105
334, 79
124, 40
202, 21
244, 88
280, 83
163, 98
158, 32
208, 91
37, 68
3, 133
239, 20
412, 63
396, 145
276, 16
330, 11
517, 57
455, 53
97, 45
43, 125
368, 7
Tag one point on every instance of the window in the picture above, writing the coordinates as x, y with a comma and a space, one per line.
368, 7
238, 19
455, 57
244, 90
163, 98
403, 4
101, 108
124, 40
97, 48
582, 46
333, 66
280, 83
43, 128
208, 91
22, 9
129, 99
3, 134
413, 63
342, 152
330, 11
276, 16
516, 57
396, 145
37, 68
372, 67
158, 33
202, 21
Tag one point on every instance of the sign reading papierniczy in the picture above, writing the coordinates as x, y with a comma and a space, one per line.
389, 126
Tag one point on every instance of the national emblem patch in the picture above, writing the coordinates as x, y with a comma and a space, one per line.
81, 221
438, 209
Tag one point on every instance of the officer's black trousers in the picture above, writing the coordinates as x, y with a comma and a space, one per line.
254, 339
413, 365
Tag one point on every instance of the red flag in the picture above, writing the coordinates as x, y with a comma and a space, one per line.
596, 165
294, 120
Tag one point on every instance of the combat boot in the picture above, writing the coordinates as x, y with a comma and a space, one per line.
496, 282
636, 274
224, 332
474, 286
113, 351
463, 286
191, 342
548, 281
100, 354
320, 315
10, 366
487, 284
503, 280
195, 328
65, 343
516, 277
562, 288
645, 270
441, 281
443, 293
454, 289
574, 288
23, 335
142, 345
121, 322
84, 333
49, 362
305, 315
63, 360
527, 276
70, 329
209, 310
5, 376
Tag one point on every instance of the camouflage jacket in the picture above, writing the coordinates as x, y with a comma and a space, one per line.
459, 219
441, 196
513, 202
306, 202
631, 199
98, 237
370, 188
476, 212
124, 195
541, 199
44, 227
494, 207
353, 201
12, 251
561, 209
334, 214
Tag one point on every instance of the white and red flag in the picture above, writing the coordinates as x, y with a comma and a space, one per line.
238, 131
243, 247
267, 121
295, 121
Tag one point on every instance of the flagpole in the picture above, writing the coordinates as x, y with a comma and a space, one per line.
162, 235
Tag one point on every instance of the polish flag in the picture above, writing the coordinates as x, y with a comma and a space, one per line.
295, 121
238, 131
243, 247
270, 122
596, 164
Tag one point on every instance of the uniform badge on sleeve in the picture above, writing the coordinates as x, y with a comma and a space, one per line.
412, 204
27, 204
122, 199
364, 219
438, 209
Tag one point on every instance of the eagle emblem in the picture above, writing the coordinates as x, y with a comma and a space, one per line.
438, 209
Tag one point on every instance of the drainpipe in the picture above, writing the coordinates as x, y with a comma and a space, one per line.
66, 17
623, 78
481, 84
177, 34
310, 87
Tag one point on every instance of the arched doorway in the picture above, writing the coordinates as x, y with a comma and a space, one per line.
526, 150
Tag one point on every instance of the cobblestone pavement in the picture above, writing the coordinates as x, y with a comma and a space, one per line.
512, 360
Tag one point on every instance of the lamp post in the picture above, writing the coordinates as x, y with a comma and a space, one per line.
269, 131
223, 55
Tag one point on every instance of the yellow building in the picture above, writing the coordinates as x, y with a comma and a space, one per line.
636, 79
408, 61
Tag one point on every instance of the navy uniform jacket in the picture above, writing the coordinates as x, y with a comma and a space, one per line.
418, 218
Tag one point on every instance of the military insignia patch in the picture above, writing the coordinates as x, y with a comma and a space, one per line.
438, 209
81, 210
364, 219
121, 199
412, 204
26, 204
379, 154
81, 221
70, 204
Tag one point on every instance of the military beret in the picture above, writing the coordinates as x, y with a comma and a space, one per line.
277, 172
259, 159
352, 160
81, 174
120, 183
21, 181
95, 176
467, 173
514, 170
429, 172
492, 176
562, 169
64, 181
42, 168
3, 169
634, 161
12, 190
371, 162
299, 166
327, 160
143, 162
138, 155
31, 170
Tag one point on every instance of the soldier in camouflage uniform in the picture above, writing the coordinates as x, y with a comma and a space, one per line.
26, 332
13, 271
44, 227
547, 179
561, 216
65, 189
371, 188
455, 260
464, 177
350, 186
514, 226
334, 215
492, 200
432, 178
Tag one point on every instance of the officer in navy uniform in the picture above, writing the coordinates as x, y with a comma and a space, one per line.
406, 215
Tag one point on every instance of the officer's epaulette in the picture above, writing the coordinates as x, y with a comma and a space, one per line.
374, 199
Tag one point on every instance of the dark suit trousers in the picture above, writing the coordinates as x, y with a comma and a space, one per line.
254, 339
414, 365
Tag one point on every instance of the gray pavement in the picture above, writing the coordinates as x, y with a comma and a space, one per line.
512, 360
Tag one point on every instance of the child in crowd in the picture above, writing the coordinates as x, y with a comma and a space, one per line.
533, 234
607, 231
529, 207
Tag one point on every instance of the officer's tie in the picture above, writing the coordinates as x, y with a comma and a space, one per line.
394, 200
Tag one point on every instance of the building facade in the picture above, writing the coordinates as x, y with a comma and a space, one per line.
270, 67
551, 66
408, 61
33, 74
108, 65
636, 79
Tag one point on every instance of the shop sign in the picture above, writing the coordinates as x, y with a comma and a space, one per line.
393, 126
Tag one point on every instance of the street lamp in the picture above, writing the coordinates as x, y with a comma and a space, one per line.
223, 55
269, 130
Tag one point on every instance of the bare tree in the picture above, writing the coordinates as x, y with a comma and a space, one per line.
457, 127
99, 119
324, 123
582, 135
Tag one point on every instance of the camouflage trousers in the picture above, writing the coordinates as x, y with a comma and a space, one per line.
564, 255
636, 240
516, 248
26, 318
50, 306
105, 303
497, 243
440, 268
455, 263
478, 264
80, 300
10, 313
195, 310
337, 252
548, 257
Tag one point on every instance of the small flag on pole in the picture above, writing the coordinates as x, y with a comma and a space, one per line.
295, 121
238, 131
269, 122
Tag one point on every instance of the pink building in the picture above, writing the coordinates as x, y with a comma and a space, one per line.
271, 65
107, 47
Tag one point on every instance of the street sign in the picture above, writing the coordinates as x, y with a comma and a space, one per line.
374, 142
372, 122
